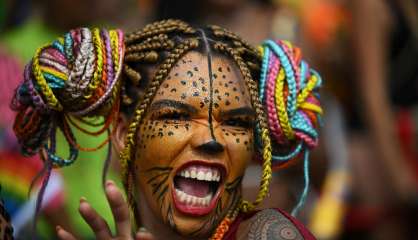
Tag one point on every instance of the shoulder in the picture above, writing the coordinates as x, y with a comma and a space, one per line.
273, 224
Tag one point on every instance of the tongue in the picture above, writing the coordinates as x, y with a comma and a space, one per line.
193, 187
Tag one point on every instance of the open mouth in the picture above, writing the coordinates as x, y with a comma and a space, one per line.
197, 187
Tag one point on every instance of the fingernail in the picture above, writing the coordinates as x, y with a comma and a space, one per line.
109, 183
83, 199
142, 229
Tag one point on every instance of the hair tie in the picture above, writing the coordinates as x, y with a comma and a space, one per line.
289, 90
73, 77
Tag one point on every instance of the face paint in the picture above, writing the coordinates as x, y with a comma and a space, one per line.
190, 180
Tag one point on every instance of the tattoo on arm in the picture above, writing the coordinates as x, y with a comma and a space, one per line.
270, 224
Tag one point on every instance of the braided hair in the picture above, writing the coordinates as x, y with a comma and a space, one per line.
90, 74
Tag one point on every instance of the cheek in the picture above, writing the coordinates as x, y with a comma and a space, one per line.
159, 143
241, 151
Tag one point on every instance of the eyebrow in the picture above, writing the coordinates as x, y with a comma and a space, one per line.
173, 104
238, 111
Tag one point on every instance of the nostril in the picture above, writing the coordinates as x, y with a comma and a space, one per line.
211, 147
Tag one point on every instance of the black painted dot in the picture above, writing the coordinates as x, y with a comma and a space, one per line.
189, 73
184, 61
206, 100
228, 69
215, 76
237, 140
170, 133
152, 136
194, 84
160, 129
195, 94
183, 96
149, 127
176, 74
245, 142
202, 80
227, 134
183, 82
164, 126
204, 89
237, 98
227, 94
223, 76
196, 69
220, 69
227, 103
216, 105
173, 90
234, 134
226, 84
165, 85
176, 126
202, 104
219, 98
234, 89
160, 134
230, 82
216, 91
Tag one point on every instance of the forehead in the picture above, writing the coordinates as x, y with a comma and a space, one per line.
188, 81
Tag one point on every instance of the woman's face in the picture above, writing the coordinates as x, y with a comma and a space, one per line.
194, 144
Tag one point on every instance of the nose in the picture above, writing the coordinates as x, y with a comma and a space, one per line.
211, 147
206, 140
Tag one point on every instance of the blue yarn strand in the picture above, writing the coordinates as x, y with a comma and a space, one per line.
305, 191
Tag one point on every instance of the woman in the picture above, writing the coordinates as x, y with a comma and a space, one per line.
183, 109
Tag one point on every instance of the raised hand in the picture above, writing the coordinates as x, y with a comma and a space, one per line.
99, 226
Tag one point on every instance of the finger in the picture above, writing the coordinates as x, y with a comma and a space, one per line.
94, 220
64, 235
120, 210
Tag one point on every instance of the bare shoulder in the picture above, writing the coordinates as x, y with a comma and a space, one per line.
270, 224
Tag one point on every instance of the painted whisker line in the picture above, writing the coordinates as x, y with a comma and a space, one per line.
159, 169
229, 187
162, 193
157, 176
157, 186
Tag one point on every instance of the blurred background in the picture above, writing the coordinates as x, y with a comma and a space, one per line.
365, 172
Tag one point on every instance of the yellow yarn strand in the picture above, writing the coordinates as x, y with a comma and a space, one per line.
51, 100
312, 107
247, 206
54, 72
308, 89
282, 113
114, 44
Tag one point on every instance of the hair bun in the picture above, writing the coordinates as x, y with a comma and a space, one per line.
289, 90
77, 75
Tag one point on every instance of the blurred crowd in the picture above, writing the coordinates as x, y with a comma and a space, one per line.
365, 172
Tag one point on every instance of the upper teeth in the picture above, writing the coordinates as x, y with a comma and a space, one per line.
206, 174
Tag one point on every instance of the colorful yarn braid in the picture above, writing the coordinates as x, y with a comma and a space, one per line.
72, 78
289, 90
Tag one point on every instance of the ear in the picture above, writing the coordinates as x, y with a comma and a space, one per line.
118, 137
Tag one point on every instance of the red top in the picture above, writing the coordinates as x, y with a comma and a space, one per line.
281, 223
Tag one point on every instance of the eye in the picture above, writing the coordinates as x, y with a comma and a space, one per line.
240, 122
171, 114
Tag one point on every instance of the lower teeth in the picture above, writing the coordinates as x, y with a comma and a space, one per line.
192, 200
